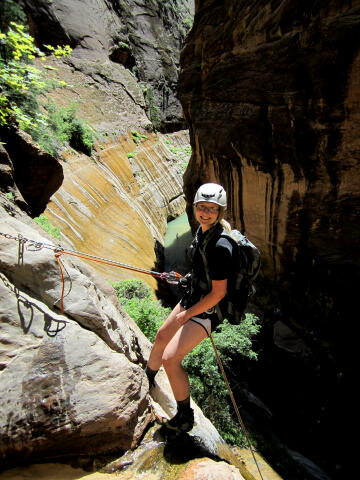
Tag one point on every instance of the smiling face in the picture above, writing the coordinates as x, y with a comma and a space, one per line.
206, 213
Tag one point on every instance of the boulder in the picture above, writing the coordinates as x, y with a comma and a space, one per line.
27, 161
70, 383
210, 470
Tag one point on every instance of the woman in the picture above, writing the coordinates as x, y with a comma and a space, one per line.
194, 317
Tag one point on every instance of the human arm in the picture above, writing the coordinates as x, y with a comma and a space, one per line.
218, 292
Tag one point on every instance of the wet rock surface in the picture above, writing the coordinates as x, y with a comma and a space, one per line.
117, 206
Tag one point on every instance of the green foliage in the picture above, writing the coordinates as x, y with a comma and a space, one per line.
60, 126
136, 299
131, 154
151, 107
128, 289
59, 51
207, 385
21, 85
20, 82
46, 225
182, 154
188, 22
136, 136
67, 128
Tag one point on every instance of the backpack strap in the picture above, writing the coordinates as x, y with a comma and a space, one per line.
206, 265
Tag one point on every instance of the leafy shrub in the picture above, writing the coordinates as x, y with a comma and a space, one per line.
128, 289
46, 225
136, 299
20, 81
21, 85
10, 11
67, 128
136, 136
207, 385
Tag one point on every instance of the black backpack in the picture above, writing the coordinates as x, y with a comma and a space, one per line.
240, 288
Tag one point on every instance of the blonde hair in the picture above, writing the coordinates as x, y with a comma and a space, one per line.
226, 225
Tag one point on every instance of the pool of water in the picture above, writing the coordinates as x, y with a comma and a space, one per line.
178, 238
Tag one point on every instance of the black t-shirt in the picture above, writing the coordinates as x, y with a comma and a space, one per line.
219, 255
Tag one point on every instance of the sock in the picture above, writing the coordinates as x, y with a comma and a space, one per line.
151, 375
183, 405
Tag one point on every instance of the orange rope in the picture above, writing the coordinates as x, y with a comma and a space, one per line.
100, 260
109, 262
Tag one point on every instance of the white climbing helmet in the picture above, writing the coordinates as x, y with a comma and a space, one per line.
211, 192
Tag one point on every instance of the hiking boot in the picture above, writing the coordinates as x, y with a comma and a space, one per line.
182, 422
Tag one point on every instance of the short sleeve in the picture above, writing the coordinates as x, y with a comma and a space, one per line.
220, 260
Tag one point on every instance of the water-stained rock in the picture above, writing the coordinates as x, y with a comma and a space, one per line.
270, 91
118, 206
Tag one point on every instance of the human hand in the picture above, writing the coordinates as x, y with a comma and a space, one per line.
182, 317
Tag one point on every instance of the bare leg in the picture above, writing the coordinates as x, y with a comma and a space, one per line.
163, 337
185, 339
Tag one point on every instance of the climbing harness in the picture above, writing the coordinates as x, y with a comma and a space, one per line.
170, 277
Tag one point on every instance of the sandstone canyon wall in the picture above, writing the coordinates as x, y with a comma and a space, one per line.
117, 203
270, 91
118, 207
72, 385
143, 37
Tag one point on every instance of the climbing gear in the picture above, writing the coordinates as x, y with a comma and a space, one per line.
33, 245
234, 404
185, 282
205, 323
171, 277
240, 287
183, 421
212, 193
